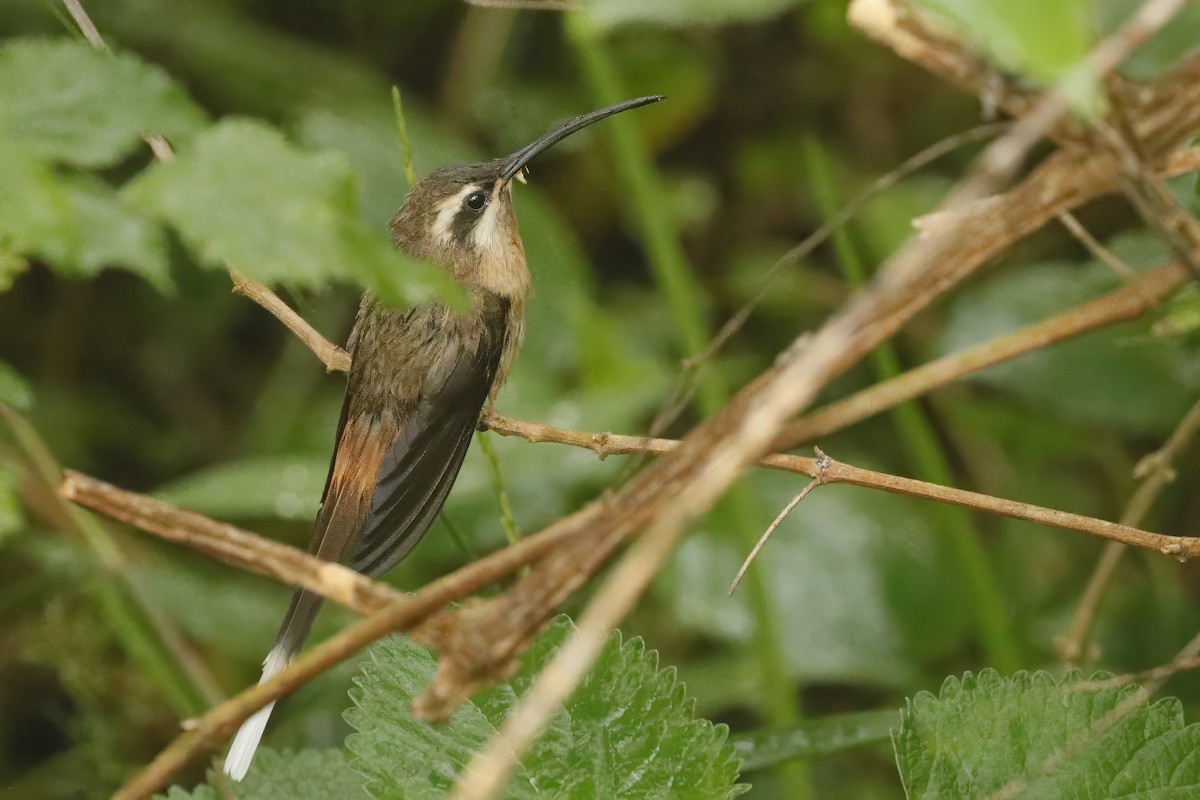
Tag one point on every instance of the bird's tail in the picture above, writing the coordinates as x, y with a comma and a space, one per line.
292, 633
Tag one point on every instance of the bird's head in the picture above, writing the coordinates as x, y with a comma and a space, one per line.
461, 215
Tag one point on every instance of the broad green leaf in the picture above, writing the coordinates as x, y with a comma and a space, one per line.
1033, 736
287, 487
628, 731
15, 391
682, 13
863, 584
68, 102
1044, 40
315, 774
1120, 378
243, 195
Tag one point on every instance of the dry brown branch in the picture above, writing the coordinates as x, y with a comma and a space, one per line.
1156, 471
230, 544
333, 357
1143, 293
829, 471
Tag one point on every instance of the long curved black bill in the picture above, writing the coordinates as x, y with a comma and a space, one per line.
514, 163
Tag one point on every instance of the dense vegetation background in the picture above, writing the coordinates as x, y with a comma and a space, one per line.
125, 355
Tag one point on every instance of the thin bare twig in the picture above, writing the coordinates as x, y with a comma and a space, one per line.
831, 471
1156, 471
333, 357
822, 465
1098, 251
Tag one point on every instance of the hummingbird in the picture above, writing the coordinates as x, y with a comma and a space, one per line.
418, 380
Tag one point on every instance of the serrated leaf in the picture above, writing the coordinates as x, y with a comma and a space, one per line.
315, 774
1034, 736
243, 195
628, 731
69, 102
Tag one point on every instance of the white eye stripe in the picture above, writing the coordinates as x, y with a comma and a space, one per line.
447, 209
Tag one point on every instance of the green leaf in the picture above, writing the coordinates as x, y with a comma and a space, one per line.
1119, 378
1032, 736
628, 731
1044, 40
15, 391
315, 774
69, 102
243, 195
678, 13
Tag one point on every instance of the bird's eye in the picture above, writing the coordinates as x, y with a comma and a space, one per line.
476, 201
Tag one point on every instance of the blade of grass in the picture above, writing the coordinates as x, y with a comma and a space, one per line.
780, 700
817, 737
920, 443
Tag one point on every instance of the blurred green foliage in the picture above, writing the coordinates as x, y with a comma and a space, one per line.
122, 345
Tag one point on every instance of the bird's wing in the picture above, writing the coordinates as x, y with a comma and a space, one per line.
417, 471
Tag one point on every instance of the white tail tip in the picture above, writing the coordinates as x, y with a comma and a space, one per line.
241, 752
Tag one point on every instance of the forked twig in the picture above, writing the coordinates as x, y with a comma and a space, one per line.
823, 462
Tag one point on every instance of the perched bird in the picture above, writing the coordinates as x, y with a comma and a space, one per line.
418, 382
